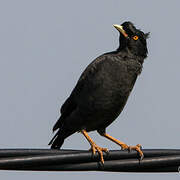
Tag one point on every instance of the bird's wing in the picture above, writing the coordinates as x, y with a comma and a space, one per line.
71, 102
66, 109
89, 80
95, 80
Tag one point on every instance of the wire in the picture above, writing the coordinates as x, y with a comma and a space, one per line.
155, 160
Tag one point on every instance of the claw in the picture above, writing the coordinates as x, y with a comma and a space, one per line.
137, 148
141, 157
95, 148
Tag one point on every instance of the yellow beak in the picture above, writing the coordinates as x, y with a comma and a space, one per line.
120, 29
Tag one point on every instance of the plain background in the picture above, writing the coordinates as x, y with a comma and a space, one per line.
45, 46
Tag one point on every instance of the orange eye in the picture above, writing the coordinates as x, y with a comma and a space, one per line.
135, 38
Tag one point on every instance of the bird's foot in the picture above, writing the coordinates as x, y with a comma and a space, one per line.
95, 148
137, 148
125, 146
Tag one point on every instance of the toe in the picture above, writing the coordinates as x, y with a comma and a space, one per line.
138, 148
101, 155
124, 146
100, 150
139, 145
93, 150
105, 149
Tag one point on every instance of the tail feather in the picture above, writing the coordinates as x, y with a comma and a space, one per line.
53, 138
58, 139
58, 124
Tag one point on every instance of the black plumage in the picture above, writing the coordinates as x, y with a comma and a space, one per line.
103, 88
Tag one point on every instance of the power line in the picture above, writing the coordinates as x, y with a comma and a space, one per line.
155, 160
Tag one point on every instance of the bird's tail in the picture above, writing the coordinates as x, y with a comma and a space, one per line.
58, 139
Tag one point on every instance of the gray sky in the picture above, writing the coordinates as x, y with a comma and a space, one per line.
45, 46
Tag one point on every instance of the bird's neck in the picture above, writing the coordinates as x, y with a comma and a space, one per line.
128, 53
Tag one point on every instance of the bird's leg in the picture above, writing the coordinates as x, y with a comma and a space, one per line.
94, 146
125, 146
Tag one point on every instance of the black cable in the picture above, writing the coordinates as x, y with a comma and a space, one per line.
155, 160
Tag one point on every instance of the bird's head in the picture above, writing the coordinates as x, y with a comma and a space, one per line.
133, 39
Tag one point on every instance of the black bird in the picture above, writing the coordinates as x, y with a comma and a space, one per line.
102, 91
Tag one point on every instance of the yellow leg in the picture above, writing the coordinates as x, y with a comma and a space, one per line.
125, 146
94, 146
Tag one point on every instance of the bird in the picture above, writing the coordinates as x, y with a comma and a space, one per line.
102, 91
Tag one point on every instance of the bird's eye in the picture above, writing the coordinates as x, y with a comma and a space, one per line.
135, 38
